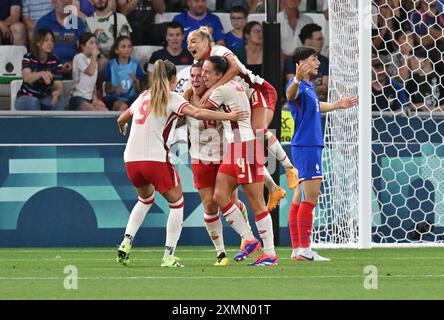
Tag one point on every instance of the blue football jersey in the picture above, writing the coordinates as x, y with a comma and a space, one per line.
119, 75
306, 112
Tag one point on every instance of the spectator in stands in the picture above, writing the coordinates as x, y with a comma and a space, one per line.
311, 36
141, 16
173, 50
387, 95
326, 31
425, 86
107, 26
428, 23
84, 73
122, 76
33, 10
41, 88
251, 53
235, 38
402, 58
67, 28
292, 21
197, 16
86, 8
391, 17
12, 31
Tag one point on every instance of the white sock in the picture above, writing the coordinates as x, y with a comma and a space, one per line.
268, 181
174, 227
214, 227
275, 148
265, 228
136, 218
295, 252
241, 208
236, 220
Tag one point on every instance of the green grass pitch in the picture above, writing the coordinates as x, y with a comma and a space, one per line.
38, 273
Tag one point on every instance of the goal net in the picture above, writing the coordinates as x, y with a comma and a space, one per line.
407, 126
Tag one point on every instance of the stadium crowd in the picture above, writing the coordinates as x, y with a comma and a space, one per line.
407, 39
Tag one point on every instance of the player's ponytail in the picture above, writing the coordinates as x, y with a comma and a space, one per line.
160, 91
203, 33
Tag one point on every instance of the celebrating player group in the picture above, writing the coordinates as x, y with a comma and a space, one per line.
227, 110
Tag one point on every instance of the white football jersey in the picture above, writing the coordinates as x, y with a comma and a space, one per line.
246, 74
149, 135
206, 139
229, 97
183, 80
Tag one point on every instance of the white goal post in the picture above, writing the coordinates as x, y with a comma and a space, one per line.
383, 160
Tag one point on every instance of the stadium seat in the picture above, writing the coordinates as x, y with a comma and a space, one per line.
15, 87
16, 84
259, 17
143, 53
165, 17
11, 63
225, 20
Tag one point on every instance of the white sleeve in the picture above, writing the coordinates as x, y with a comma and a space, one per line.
177, 103
217, 97
80, 62
221, 51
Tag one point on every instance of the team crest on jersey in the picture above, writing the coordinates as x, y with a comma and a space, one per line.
317, 168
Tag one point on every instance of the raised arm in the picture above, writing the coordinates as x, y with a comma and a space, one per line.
204, 114
343, 103
126, 7
293, 88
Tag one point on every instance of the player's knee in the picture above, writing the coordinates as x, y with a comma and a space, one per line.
312, 200
219, 198
209, 203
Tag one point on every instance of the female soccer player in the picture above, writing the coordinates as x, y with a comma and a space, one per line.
306, 148
263, 100
154, 115
242, 164
206, 145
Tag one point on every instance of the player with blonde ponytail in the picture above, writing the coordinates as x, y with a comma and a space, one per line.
153, 119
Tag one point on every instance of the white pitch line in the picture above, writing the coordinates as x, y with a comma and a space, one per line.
96, 259
410, 276
4, 250
336, 259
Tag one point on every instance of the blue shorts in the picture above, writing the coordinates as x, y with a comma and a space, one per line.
76, 102
308, 161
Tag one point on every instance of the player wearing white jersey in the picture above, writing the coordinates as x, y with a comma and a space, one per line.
206, 146
262, 100
242, 164
146, 156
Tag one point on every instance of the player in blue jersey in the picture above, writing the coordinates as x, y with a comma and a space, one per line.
306, 148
